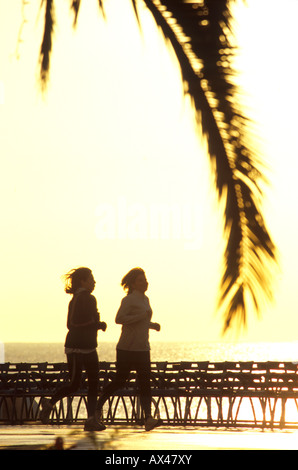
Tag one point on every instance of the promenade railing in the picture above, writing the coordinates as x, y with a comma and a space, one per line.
214, 394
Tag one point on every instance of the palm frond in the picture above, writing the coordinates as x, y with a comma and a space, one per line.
75, 6
101, 7
47, 41
46, 45
200, 33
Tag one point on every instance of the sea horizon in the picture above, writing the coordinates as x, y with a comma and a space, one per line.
168, 351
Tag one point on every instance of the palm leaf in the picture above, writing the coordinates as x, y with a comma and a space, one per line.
75, 6
200, 34
46, 45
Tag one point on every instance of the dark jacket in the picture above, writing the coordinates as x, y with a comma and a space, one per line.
82, 321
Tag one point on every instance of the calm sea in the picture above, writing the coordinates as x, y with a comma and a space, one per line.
163, 351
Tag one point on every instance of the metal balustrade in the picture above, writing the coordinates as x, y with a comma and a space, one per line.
215, 394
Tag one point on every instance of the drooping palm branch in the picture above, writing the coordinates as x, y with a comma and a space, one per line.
200, 34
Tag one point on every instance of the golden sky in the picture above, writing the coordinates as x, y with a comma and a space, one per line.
88, 170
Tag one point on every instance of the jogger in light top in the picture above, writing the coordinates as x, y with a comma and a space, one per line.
133, 348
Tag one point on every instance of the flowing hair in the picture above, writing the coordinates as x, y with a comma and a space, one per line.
74, 277
130, 278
